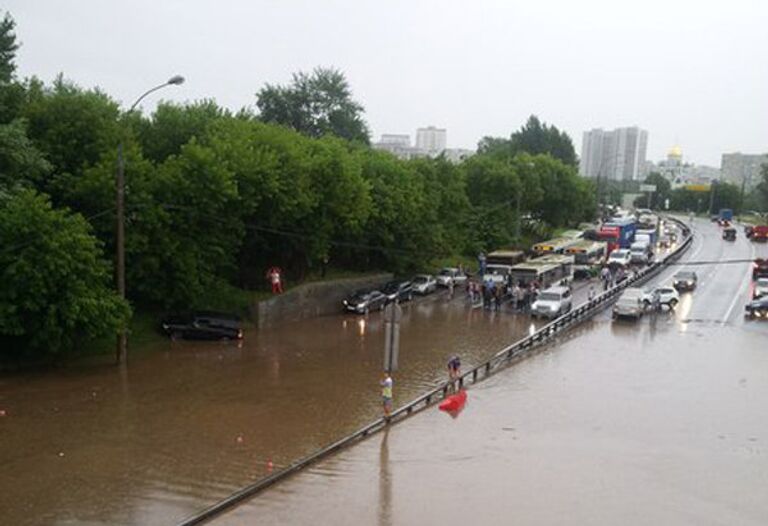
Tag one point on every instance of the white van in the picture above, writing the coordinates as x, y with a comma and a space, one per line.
620, 257
640, 252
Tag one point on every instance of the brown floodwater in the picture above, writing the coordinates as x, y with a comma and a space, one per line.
661, 421
188, 423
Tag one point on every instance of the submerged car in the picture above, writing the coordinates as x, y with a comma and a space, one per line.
364, 301
684, 280
757, 308
424, 284
552, 302
448, 274
203, 325
398, 290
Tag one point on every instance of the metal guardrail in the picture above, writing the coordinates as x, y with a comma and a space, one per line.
497, 362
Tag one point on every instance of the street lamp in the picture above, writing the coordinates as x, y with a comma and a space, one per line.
122, 337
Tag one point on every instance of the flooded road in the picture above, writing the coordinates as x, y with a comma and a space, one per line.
191, 422
657, 422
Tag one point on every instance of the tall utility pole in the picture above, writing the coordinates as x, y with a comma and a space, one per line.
122, 337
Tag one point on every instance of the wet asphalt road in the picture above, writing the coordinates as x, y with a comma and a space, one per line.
661, 421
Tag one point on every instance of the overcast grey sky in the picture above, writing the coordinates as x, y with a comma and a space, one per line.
690, 72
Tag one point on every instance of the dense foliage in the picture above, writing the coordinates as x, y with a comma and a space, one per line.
534, 137
315, 104
55, 290
214, 198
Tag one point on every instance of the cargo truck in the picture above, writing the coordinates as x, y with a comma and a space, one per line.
726, 214
618, 233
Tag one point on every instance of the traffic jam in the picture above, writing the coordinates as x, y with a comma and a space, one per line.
542, 281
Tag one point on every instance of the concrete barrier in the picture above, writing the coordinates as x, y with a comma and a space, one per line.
310, 300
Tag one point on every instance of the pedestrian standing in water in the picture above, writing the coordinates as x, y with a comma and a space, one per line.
605, 276
451, 286
454, 370
386, 393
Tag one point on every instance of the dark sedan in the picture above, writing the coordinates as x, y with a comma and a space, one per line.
203, 325
364, 301
757, 308
400, 290
684, 280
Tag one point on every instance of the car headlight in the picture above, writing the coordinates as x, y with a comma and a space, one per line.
361, 305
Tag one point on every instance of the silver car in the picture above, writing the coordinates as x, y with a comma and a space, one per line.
552, 302
631, 304
449, 274
423, 284
761, 288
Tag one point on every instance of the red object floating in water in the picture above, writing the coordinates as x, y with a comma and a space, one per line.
455, 402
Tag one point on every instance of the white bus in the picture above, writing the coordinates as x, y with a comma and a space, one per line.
587, 252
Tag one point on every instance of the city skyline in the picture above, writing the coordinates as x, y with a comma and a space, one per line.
673, 79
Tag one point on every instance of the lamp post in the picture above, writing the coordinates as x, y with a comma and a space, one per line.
122, 337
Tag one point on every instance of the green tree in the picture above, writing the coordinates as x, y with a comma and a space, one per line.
446, 204
534, 138
315, 104
727, 195
494, 189
8, 48
11, 91
172, 125
56, 292
73, 127
762, 187
20, 162
396, 224
659, 197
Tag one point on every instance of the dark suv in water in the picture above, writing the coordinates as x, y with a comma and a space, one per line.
400, 290
364, 301
203, 325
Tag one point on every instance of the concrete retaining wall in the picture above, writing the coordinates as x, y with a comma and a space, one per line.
310, 300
